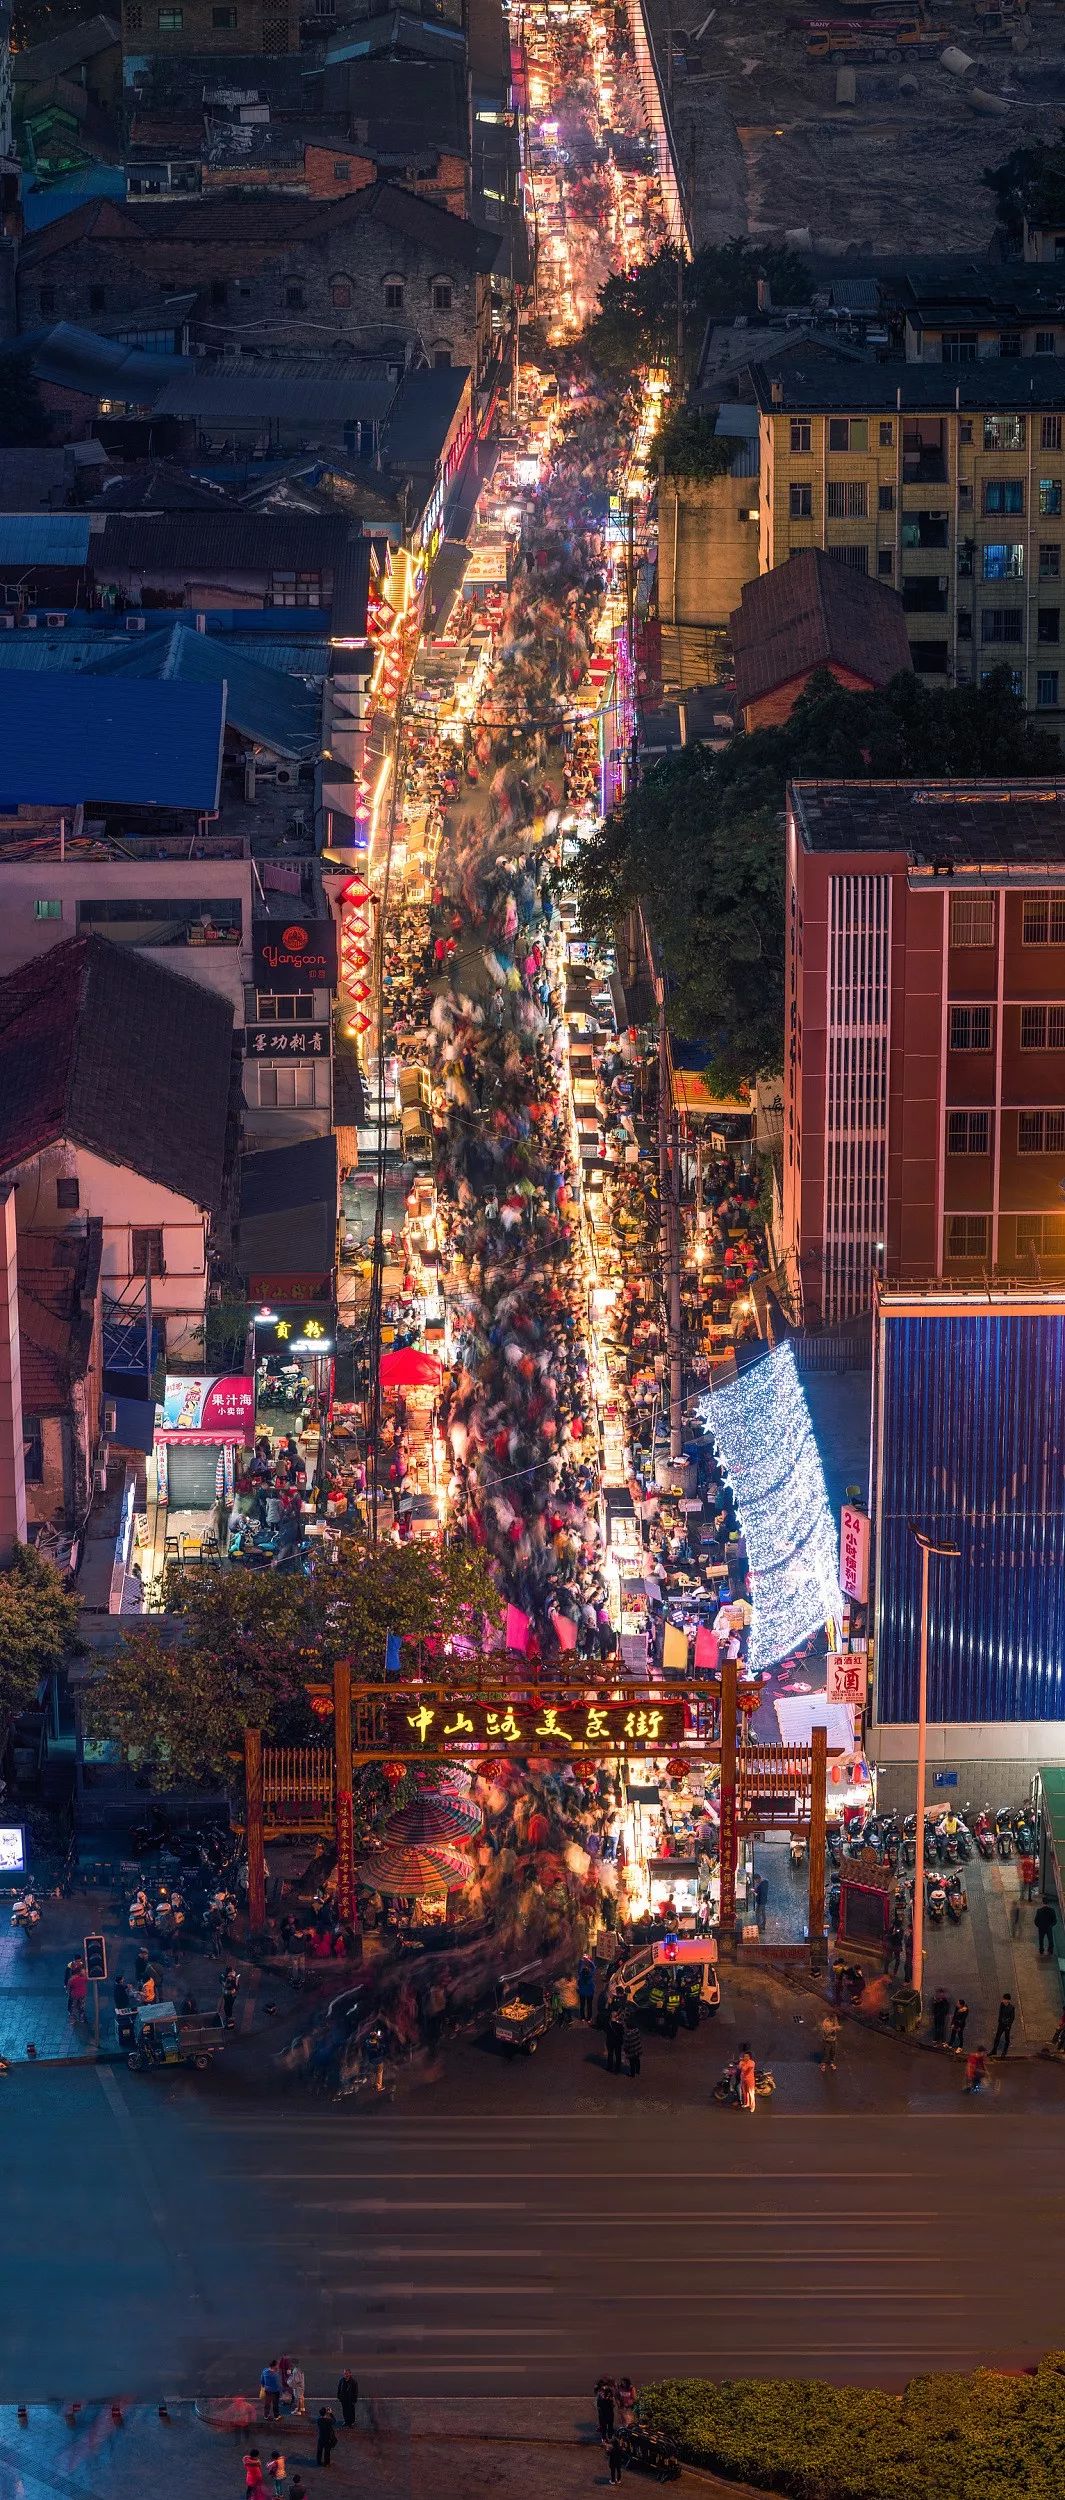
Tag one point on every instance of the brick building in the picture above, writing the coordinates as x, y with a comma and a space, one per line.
207, 26
944, 480
391, 273
810, 614
924, 1128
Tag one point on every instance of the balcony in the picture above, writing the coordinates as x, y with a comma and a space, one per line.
922, 531
924, 468
925, 594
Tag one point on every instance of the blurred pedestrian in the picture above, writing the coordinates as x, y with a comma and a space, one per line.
975, 2070
615, 2038
327, 2436
940, 2016
276, 2468
1046, 1919
253, 2472
298, 2391
829, 2042
230, 1985
761, 1896
632, 2045
586, 1987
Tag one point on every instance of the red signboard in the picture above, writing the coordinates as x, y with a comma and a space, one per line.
854, 1553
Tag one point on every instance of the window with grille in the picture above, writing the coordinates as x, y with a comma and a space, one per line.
1044, 343
1050, 434
972, 919
968, 1132
855, 558
441, 292
800, 433
970, 1028
967, 1236
146, 1250
1001, 625
1043, 920
1042, 1234
279, 1008
1041, 1132
846, 499
1003, 433
1004, 560
393, 291
1004, 494
1043, 1028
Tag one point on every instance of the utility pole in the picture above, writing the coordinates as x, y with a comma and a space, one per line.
728, 1807
254, 1840
818, 1817
949, 1553
344, 1799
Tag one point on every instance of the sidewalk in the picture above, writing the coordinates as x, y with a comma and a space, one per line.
33, 2006
413, 2451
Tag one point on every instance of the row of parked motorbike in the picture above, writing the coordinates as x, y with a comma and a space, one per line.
949, 1839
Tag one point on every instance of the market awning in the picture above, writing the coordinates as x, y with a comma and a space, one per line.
410, 1368
695, 1100
445, 582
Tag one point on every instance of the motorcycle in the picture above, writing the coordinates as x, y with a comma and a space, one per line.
984, 1834
957, 1900
25, 1911
169, 1914
727, 2088
141, 1914
221, 1917
1004, 1832
936, 1900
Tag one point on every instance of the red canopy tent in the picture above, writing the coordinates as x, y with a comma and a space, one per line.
409, 1368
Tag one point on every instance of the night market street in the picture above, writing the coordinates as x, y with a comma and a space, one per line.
521, 2227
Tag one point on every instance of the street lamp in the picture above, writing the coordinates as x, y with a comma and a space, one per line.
949, 1553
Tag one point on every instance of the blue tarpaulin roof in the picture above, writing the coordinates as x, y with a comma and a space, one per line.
262, 702
65, 739
33, 538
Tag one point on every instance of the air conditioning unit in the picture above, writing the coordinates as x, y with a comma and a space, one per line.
287, 776
29, 623
135, 624
110, 1418
101, 1476
58, 616
5, 619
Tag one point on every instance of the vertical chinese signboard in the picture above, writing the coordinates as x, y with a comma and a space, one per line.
854, 1553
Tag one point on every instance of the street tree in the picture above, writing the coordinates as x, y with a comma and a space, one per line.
38, 1629
238, 1649
636, 323
1029, 186
699, 842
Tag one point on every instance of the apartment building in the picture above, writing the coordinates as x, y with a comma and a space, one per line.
944, 480
924, 1098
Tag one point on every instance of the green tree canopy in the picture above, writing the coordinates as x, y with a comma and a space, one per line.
23, 419
240, 1648
1030, 183
38, 1628
699, 842
636, 323
687, 445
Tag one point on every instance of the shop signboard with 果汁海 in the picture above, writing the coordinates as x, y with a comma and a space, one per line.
206, 1407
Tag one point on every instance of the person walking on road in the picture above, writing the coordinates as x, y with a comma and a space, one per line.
747, 2076
270, 2390
1006, 2017
604, 2409
77, 1990
1046, 1919
829, 2043
616, 2458
297, 2388
975, 2070
327, 2436
615, 2039
230, 1985
586, 1987
632, 2045
277, 2470
253, 2473
348, 2397
761, 1896
958, 2021
940, 2014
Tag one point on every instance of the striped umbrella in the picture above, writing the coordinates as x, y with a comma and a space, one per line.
433, 1818
416, 1871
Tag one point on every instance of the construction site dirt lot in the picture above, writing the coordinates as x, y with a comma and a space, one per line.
765, 148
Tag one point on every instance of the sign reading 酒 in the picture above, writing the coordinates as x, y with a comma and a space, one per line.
432, 1726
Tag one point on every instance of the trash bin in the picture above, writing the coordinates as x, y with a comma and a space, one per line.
906, 2009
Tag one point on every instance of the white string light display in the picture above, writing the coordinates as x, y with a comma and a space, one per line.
761, 1426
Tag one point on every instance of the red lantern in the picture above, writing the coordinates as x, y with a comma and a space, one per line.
393, 1772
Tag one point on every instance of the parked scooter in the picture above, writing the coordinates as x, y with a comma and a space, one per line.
984, 1833
727, 2089
26, 1911
957, 1899
141, 1913
1004, 1832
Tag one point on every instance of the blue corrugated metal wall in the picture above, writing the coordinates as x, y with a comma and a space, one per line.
974, 1451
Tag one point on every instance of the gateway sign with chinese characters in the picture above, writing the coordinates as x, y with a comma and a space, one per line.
434, 1726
